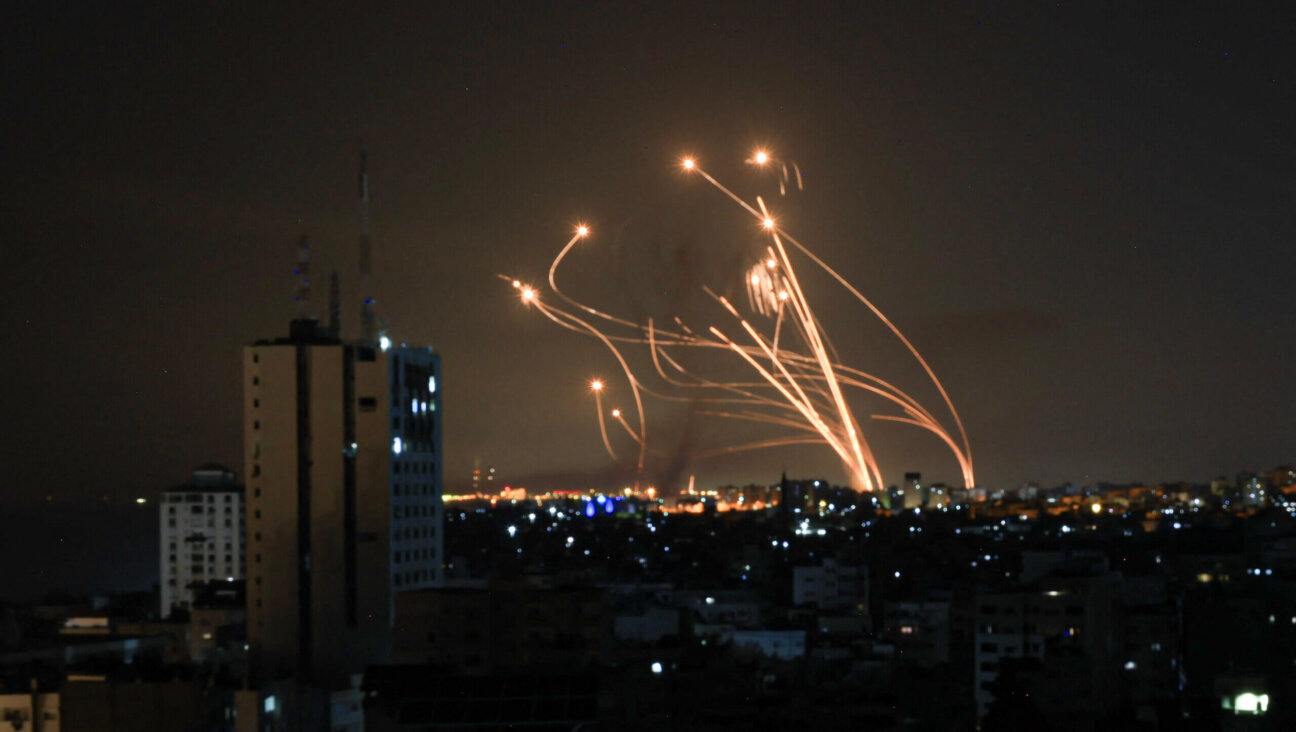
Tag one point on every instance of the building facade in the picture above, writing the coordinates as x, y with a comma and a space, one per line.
831, 586
342, 448
201, 535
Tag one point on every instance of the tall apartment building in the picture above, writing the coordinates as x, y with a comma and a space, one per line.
342, 445
200, 534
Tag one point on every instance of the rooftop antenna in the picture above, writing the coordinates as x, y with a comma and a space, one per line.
303, 274
368, 332
335, 307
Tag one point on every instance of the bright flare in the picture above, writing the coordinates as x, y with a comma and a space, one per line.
769, 223
596, 385
616, 412
688, 163
528, 294
582, 230
762, 157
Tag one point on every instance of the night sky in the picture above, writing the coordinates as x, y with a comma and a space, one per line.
1081, 213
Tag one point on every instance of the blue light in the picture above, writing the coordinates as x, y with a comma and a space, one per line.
590, 509
609, 507
601, 499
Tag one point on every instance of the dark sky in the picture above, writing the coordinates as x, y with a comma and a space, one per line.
1081, 213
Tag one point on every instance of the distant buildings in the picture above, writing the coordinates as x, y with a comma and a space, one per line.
201, 535
343, 457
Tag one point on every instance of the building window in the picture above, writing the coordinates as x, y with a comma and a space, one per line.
256, 380
256, 424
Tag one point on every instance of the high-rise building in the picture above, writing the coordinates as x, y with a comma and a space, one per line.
342, 444
200, 535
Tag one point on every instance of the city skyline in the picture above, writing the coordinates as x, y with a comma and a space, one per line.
1077, 215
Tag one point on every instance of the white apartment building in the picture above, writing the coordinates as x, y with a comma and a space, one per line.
201, 535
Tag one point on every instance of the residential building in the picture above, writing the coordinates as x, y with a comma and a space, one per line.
201, 536
831, 586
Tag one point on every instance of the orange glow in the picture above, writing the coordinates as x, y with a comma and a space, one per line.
616, 412
688, 163
596, 385
762, 157
528, 294
769, 223
582, 230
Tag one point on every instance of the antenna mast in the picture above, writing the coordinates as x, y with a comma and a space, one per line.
303, 274
368, 333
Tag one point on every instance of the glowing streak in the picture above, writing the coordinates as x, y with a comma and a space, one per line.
967, 451
597, 386
816, 345
616, 414
556, 316
810, 384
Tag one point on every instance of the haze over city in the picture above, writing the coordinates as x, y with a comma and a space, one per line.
1077, 214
